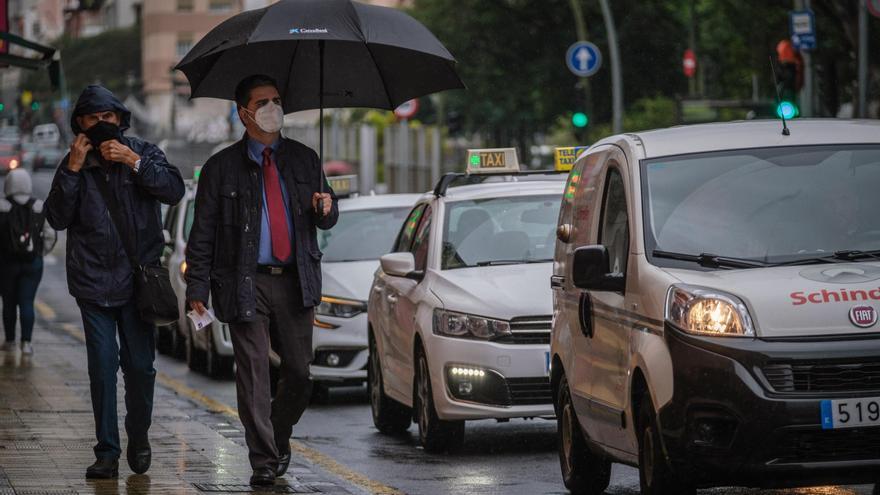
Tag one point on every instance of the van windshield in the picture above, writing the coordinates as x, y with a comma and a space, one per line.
500, 231
767, 205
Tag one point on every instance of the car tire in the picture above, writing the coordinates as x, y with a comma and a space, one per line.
195, 357
435, 434
164, 340
178, 342
389, 416
655, 476
216, 366
583, 472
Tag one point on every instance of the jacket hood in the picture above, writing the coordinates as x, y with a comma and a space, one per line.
18, 184
95, 99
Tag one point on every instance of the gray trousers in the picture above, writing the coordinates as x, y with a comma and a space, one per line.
268, 422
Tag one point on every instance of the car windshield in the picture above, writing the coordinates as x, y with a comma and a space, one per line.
769, 205
361, 235
511, 230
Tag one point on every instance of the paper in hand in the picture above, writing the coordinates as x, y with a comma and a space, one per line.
200, 321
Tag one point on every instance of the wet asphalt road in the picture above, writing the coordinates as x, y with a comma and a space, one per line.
512, 458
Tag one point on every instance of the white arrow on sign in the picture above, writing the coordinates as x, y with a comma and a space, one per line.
584, 57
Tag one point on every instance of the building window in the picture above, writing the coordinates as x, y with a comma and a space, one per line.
184, 44
221, 5
185, 5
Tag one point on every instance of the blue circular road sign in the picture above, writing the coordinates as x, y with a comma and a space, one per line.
583, 59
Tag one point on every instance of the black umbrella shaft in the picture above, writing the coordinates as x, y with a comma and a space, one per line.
321, 123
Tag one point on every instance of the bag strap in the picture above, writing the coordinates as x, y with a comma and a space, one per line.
103, 182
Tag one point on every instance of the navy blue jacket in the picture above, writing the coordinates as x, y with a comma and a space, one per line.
223, 245
98, 269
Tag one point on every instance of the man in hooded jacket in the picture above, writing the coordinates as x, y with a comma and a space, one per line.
99, 273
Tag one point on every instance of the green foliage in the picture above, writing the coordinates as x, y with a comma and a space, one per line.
112, 58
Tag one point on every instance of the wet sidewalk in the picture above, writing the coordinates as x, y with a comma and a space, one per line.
47, 434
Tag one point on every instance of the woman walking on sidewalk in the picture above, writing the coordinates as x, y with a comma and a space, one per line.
24, 238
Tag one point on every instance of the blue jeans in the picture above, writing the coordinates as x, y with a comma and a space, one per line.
135, 352
20, 289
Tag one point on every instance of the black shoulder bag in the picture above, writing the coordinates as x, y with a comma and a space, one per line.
153, 294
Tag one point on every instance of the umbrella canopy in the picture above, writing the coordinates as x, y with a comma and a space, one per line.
367, 56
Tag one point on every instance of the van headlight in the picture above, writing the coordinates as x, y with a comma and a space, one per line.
703, 311
340, 308
465, 326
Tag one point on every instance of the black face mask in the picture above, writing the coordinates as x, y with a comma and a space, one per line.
103, 131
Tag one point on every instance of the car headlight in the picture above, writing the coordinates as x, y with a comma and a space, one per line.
452, 324
341, 308
703, 311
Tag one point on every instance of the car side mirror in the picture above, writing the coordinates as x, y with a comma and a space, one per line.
167, 238
400, 265
591, 270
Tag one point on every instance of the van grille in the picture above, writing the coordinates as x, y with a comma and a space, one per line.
824, 376
528, 330
827, 445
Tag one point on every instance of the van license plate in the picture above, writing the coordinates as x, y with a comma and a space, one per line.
850, 413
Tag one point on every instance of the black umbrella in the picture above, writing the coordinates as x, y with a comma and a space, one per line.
323, 53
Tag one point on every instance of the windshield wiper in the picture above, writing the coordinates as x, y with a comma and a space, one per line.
510, 262
710, 260
837, 257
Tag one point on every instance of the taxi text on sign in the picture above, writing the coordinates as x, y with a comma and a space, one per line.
492, 161
565, 157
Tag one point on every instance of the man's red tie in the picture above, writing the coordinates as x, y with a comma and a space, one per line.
275, 203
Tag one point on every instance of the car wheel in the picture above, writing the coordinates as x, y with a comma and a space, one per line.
216, 366
178, 342
389, 416
583, 472
163, 339
195, 358
655, 477
435, 434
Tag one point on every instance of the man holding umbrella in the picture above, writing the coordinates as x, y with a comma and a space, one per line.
253, 243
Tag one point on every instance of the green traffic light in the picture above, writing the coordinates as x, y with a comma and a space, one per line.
787, 110
580, 119
2, 107
35, 106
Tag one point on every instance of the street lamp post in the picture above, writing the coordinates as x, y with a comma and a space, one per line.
616, 81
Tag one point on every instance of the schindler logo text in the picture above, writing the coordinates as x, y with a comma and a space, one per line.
308, 31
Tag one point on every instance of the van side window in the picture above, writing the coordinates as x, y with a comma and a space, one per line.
405, 237
614, 228
420, 241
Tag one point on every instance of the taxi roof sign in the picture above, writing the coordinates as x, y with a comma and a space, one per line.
566, 156
343, 185
492, 161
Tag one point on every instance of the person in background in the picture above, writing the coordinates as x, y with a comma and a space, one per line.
100, 276
24, 239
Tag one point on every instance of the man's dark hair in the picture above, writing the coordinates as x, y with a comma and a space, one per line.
243, 90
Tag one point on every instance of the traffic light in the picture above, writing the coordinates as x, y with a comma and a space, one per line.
787, 110
2, 107
580, 120
35, 105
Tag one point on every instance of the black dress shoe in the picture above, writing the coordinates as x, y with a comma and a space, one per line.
283, 463
263, 477
139, 456
103, 468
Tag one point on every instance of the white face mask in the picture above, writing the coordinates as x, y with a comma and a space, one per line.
269, 117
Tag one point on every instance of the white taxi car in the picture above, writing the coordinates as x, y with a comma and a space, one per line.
208, 350
715, 307
365, 231
459, 314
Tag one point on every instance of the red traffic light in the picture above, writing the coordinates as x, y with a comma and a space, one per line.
689, 63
